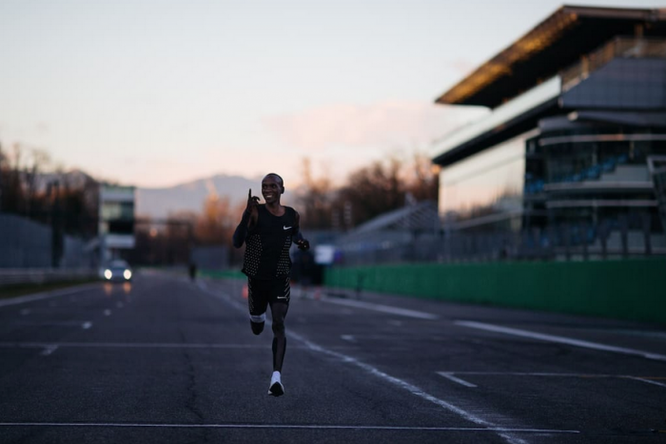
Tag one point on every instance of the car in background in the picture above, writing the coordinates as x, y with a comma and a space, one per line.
117, 271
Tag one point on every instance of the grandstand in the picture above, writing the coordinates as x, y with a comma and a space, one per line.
563, 165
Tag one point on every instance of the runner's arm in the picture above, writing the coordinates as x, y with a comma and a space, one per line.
300, 241
241, 230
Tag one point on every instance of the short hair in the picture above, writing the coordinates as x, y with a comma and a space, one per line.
278, 176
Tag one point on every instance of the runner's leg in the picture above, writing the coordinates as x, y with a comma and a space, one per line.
279, 312
257, 303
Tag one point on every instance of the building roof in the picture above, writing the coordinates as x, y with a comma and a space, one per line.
555, 43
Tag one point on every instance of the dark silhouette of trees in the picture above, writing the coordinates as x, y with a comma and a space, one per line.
66, 200
315, 199
369, 191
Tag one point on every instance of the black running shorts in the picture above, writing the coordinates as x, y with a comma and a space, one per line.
260, 293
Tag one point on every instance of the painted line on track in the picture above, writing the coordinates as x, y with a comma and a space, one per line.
289, 426
49, 350
382, 308
504, 433
450, 377
560, 340
646, 379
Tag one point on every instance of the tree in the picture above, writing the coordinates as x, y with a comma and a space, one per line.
383, 186
215, 225
315, 197
10, 182
422, 178
371, 191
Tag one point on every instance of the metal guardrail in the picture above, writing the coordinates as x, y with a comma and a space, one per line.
610, 239
625, 47
13, 276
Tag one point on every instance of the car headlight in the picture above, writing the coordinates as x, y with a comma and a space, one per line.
108, 274
127, 274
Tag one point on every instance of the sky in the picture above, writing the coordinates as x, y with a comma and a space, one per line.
155, 93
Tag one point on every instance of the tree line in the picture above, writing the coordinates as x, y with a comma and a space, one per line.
32, 186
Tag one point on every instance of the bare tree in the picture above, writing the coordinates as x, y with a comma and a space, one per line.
215, 225
315, 197
371, 191
422, 178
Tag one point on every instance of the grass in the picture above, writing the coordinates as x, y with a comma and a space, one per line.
11, 291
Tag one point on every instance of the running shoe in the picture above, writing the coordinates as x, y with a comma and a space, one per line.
276, 388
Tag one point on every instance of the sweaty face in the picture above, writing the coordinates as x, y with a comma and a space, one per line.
271, 189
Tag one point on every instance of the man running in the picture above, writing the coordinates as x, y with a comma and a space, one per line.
268, 231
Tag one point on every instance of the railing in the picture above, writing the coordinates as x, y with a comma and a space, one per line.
624, 47
657, 168
623, 237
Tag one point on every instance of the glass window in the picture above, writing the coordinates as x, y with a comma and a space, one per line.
487, 183
117, 210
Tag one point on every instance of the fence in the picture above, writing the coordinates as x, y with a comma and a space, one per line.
613, 239
27, 253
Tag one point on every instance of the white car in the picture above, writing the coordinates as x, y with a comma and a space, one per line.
117, 271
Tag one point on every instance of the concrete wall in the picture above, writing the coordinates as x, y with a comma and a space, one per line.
624, 289
27, 244
24, 243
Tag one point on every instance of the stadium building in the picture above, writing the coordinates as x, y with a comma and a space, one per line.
573, 148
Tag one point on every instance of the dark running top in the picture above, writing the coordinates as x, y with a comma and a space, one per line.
267, 244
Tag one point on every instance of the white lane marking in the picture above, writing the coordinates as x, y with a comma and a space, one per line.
349, 338
382, 308
636, 378
50, 294
560, 339
387, 378
287, 426
107, 312
563, 375
450, 377
25, 312
414, 390
86, 325
120, 304
49, 349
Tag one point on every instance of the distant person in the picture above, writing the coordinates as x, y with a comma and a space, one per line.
193, 271
268, 231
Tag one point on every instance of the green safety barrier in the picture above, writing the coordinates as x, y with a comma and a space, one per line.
632, 289
226, 274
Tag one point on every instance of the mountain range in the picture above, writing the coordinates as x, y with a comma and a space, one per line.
158, 203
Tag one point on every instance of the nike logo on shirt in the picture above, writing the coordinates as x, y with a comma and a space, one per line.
286, 228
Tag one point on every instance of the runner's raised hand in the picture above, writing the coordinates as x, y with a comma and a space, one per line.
252, 202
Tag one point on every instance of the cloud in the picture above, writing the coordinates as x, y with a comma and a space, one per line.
386, 124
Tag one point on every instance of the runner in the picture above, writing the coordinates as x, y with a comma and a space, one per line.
268, 231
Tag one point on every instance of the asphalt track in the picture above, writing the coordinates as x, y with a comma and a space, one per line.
167, 360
